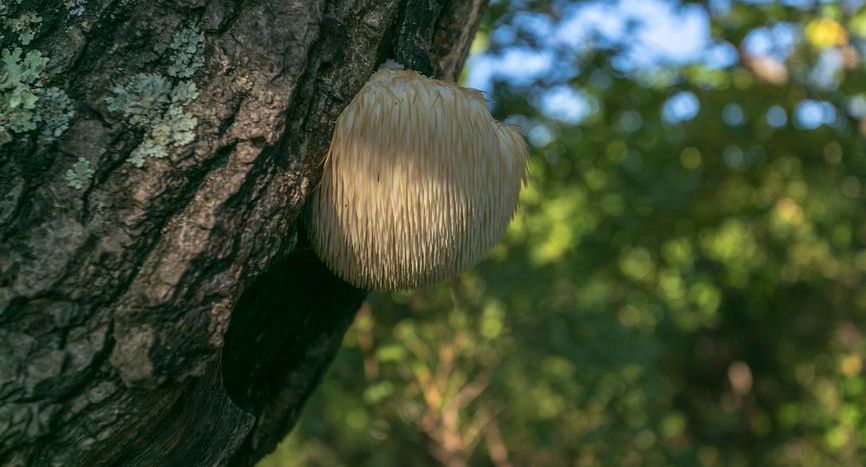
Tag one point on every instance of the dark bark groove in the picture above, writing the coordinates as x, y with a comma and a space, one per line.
165, 314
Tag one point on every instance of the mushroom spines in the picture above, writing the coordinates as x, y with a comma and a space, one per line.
419, 181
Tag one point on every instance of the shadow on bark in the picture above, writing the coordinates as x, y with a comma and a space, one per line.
285, 331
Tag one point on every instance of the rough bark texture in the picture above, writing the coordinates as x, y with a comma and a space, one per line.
171, 314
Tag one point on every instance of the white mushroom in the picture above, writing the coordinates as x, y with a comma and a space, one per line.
419, 182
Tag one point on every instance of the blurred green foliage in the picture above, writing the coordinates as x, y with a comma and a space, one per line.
682, 292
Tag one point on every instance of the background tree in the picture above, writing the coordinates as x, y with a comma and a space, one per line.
157, 304
685, 282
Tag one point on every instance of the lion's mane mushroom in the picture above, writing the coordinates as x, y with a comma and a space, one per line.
418, 183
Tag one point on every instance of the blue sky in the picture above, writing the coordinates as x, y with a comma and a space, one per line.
668, 34
649, 34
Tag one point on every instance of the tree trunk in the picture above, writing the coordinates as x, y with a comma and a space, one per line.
159, 304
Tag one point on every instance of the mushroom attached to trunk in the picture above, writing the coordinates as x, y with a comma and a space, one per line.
419, 182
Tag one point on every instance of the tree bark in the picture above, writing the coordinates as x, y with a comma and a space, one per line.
173, 313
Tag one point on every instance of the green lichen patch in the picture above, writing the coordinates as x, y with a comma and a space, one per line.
19, 91
24, 104
80, 173
182, 125
187, 56
152, 103
184, 93
150, 147
156, 103
53, 113
142, 100
26, 26
75, 7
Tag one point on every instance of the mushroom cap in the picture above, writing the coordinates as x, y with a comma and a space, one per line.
419, 182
